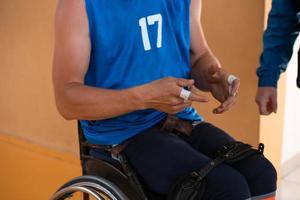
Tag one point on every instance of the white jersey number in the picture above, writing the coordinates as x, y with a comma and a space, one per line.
144, 30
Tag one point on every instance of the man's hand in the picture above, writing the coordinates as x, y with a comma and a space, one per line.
221, 89
164, 95
210, 77
266, 99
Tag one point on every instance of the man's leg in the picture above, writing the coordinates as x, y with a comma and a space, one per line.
257, 170
160, 159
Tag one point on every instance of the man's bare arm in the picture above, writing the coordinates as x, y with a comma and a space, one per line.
206, 69
203, 60
71, 59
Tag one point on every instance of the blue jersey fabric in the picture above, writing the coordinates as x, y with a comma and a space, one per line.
279, 37
135, 42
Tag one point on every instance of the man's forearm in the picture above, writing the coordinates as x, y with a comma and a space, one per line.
78, 101
203, 69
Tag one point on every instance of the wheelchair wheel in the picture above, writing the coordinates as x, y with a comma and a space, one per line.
96, 187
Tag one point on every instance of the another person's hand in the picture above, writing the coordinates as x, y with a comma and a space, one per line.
266, 99
164, 95
225, 92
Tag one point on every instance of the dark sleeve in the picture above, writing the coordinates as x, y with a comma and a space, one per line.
279, 37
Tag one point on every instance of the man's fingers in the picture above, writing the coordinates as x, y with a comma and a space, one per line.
185, 82
198, 98
195, 91
192, 95
263, 102
176, 101
266, 99
182, 106
235, 87
220, 110
274, 103
225, 106
263, 107
179, 107
196, 95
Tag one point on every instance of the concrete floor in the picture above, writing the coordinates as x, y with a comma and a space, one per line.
290, 186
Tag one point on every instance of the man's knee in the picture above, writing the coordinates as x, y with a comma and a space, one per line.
222, 183
226, 183
266, 177
269, 172
260, 174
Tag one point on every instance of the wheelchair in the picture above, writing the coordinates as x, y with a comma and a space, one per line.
102, 180
106, 180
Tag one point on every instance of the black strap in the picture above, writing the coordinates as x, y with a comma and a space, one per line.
132, 176
236, 151
230, 153
187, 188
192, 187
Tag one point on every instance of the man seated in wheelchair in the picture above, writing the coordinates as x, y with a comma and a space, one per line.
130, 71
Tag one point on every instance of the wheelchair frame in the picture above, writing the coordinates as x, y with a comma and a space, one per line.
101, 179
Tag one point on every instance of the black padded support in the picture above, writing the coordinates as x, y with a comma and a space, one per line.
236, 151
192, 186
187, 188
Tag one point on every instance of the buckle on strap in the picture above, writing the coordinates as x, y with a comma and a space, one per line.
173, 124
235, 151
118, 149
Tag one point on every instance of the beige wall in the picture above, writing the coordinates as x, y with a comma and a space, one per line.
271, 127
27, 105
233, 30
36, 142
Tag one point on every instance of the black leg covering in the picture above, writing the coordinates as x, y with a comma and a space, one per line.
192, 186
188, 188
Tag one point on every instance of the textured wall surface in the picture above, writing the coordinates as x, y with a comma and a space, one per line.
39, 149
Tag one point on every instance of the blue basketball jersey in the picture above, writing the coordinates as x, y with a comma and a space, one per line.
135, 42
